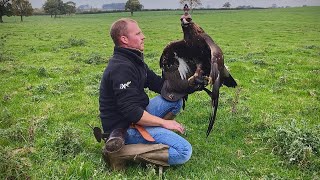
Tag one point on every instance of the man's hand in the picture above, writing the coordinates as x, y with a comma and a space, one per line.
173, 125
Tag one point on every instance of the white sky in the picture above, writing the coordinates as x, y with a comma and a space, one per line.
174, 4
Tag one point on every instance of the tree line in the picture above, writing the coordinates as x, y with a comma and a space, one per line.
24, 8
58, 7
15, 7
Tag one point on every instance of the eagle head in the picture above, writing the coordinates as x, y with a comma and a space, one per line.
190, 29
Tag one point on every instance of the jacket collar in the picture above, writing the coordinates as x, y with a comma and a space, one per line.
132, 54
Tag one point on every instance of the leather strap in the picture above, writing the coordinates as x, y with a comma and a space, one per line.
144, 133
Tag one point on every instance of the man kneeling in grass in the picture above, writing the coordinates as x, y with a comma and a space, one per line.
146, 126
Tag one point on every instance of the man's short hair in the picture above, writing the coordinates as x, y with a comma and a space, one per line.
119, 28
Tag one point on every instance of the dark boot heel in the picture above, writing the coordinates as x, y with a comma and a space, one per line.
116, 140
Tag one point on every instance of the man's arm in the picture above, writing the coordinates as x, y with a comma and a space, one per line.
154, 82
148, 119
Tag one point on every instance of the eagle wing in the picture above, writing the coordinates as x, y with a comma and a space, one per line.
180, 60
174, 68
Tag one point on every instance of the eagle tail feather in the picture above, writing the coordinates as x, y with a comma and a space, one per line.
229, 81
214, 101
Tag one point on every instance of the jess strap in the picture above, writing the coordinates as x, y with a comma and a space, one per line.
144, 133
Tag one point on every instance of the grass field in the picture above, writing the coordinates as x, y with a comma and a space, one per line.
266, 128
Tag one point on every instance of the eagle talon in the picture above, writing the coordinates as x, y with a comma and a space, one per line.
191, 80
209, 79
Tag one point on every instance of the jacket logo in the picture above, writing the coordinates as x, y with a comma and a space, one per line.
125, 85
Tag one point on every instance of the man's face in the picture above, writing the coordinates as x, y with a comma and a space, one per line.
135, 38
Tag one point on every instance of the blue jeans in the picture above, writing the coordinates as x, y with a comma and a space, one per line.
180, 150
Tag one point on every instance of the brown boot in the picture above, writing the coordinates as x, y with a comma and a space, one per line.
169, 116
150, 153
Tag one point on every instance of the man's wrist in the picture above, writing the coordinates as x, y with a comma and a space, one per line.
161, 122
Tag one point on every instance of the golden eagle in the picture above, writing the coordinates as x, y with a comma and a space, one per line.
195, 57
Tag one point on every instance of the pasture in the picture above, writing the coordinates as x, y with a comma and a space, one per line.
266, 128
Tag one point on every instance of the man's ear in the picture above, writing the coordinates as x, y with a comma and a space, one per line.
124, 39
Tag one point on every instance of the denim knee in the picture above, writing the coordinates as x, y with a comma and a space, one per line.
186, 154
181, 154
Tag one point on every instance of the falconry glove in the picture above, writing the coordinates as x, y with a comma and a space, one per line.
175, 91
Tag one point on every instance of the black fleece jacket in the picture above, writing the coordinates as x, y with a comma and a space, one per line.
122, 98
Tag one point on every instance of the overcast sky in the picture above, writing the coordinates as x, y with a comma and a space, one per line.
174, 4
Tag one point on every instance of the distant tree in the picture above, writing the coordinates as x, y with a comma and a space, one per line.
226, 5
70, 7
22, 8
133, 5
5, 9
54, 7
192, 3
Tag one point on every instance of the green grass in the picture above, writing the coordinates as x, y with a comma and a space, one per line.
50, 72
